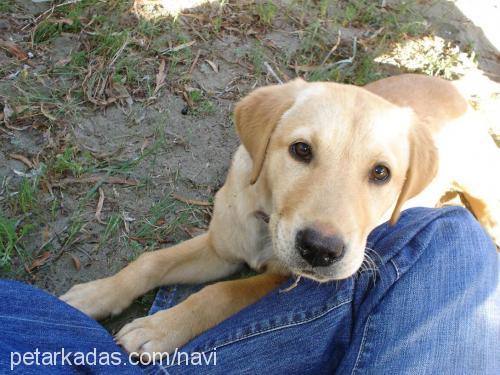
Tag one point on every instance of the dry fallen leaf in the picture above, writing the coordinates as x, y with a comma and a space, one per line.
179, 47
194, 202
14, 49
7, 112
46, 113
38, 262
161, 221
100, 203
192, 231
119, 91
195, 61
22, 158
66, 21
76, 262
144, 145
213, 65
160, 77
305, 68
63, 61
45, 234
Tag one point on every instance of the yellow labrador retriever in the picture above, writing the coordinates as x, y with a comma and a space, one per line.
320, 166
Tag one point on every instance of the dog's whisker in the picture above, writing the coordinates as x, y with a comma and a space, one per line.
293, 286
374, 252
369, 264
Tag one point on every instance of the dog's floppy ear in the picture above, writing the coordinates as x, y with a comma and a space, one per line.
257, 115
422, 167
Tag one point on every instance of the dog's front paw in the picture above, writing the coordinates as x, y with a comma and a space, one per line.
155, 335
99, 298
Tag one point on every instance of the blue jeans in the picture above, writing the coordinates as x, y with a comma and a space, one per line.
431, 307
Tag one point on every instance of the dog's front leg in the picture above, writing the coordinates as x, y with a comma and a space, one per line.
167, 330
192, 261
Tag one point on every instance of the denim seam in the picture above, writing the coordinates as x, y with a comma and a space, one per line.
398, 275
50, 323
361, 347
258, 333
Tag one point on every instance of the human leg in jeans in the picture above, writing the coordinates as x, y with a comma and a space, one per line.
41, 334
431, 306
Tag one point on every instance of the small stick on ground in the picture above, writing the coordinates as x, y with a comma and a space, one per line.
22, 159
100, 204
333, 49
193, 202
195, 61
272, 72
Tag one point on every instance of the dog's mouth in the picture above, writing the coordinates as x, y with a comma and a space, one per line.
284, 243
340, 270
316, 275
311, 275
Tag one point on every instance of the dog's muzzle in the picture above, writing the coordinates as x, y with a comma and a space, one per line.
317, 249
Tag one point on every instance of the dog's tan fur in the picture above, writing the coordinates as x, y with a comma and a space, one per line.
422, 127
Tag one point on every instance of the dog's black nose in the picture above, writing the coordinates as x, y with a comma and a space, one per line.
317, 249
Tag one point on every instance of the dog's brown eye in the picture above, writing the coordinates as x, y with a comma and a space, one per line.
380, 173
301, 151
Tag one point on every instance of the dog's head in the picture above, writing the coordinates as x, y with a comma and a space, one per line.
335, 158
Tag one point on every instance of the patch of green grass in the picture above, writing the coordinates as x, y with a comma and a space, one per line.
266, 11
165, 219
216, 24
128, 166
27, 196
135, 248
112, 227
6, 6
11, 234
157, 212
108, 42
54, 208
126, 70
112, 49
313, 44
149, 28
361, 72
76, 66
351, 62
50, 28
30, 99
360, 13
256, 56
202, 106
365, 71
323, 7
116, 47
46, 31
8, 240
67, 162
75, 226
